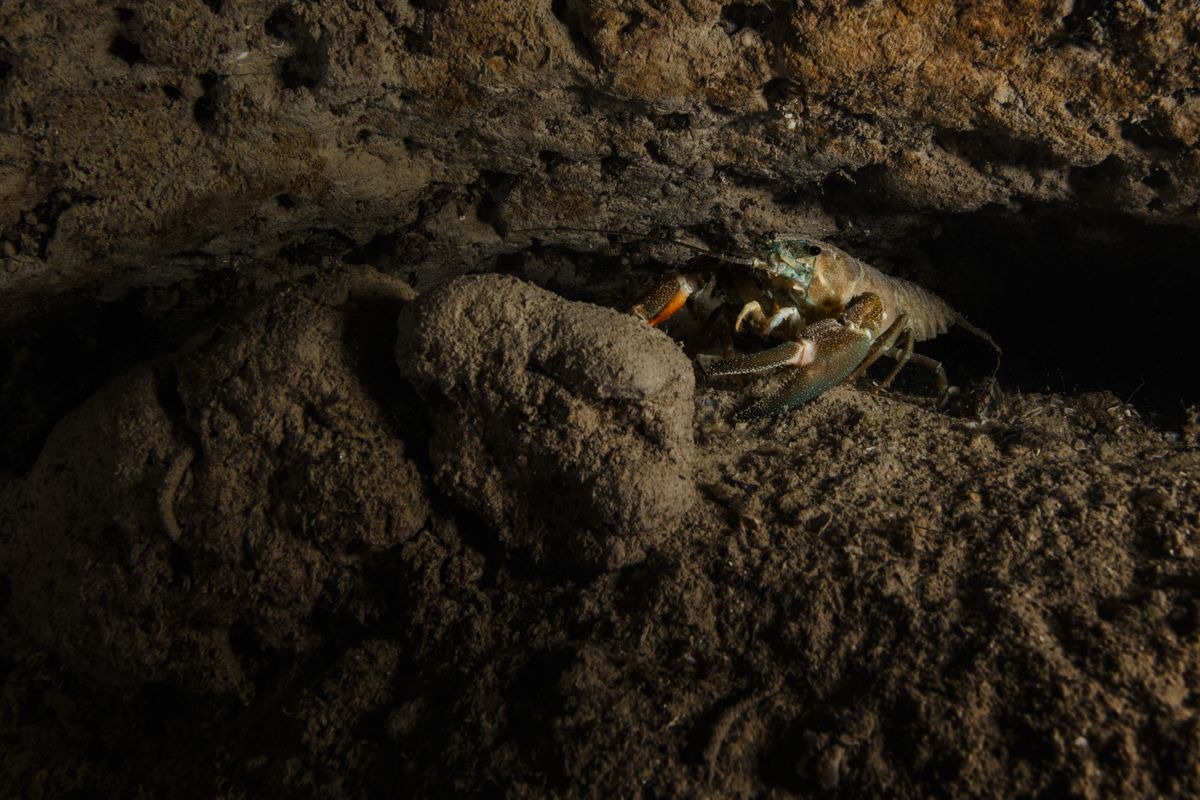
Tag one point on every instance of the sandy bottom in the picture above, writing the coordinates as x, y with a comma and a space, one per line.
253, 567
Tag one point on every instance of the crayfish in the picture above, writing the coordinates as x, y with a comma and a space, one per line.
834, 314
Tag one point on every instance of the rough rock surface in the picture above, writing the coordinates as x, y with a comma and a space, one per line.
567, 427
867, 598
141, 141
159, 535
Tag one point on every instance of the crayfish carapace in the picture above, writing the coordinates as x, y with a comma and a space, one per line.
834, 314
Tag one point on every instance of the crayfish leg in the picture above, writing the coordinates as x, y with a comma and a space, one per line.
934, 366
902, 355
751, 311
883, 344
886, 345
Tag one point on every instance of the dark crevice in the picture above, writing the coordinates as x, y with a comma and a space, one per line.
798, 196
253, 654
52, 366
317, 245
753, 14
983, 147
671, 122
1157, 179
35, 229
1079, 107
207, 110
380, 247
124, 44
494, 188
308, 62
634, 20
797, 760
740, 176
369, 338
1079, 302
216, 6
779, 91
655, 152
857, 192
1099, 183
567, 13
126, 49
417, 41
1085, 26
283, 24
611, 166
170, 399
1151, 135
1116, 27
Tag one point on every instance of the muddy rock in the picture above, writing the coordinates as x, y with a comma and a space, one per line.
564, 425
175, 136
199, 510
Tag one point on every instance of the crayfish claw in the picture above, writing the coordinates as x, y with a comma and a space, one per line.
665, 298
837, 352
797, 354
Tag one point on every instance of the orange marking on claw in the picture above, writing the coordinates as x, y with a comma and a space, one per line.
674, 304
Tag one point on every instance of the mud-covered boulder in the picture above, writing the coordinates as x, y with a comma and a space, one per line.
198, 512
565, 426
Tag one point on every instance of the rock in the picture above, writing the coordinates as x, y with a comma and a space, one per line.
204, 508
173, 133
566, 426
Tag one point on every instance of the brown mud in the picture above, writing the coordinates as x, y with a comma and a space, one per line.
270, 526
254, 566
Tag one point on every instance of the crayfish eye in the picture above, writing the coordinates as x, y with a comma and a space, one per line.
813, 250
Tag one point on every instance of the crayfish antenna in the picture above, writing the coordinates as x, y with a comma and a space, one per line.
987, 337
636, 234
974, 330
